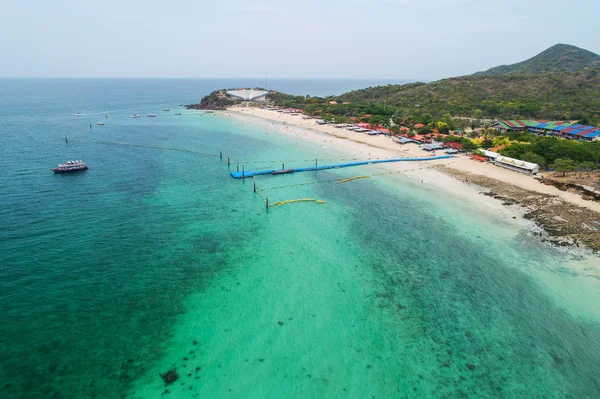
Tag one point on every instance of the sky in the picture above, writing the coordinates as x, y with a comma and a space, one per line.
362, 39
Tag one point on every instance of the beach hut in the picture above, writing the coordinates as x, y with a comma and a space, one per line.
433, 147
403, 140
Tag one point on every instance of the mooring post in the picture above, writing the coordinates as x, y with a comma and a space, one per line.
238, 167
254, 183
228, 161
221, 154
243, 172
316, 163
67, 139
282, 166
267, 199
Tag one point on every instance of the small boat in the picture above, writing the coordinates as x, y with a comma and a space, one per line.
135, 116
177, 113
151, 116
70, 166
100, 123
77, 114
282, 171
166, 109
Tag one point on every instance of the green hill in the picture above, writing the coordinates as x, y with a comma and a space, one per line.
558, 58
567, 87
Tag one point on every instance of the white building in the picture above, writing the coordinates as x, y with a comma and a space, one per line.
517, 165
490, 154
248, 94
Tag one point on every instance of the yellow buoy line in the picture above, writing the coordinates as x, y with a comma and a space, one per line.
79, 132
353, 178
285, 202
292, 201
259, 190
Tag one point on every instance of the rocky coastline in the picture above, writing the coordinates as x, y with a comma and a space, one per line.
218, 100
562, 224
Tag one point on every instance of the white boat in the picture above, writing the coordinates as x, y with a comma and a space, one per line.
151, 116
165, 109
135, 116
77, 114
100, 123
70, 166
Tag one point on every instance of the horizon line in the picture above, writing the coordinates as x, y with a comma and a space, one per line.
205, 78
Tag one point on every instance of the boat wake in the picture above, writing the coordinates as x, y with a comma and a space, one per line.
98, 113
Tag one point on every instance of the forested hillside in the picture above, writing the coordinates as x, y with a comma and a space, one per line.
559, 95
558, 58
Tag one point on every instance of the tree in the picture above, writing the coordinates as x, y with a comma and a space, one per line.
487, 143
395, 130
443, 127
563, 165
467, 144
451, 138
426, 118
534, 158
586, 165
498, 141
376, 120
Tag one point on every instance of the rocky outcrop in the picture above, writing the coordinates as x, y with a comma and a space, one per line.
562, 224
586, 193
216, 101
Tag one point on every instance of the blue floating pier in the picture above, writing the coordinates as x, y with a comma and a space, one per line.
249, 173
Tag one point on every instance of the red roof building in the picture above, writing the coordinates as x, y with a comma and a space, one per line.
419, 126
454, 145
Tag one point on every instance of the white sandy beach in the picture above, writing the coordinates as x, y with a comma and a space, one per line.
363, 146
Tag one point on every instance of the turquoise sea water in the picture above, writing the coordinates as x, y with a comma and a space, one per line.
155, 260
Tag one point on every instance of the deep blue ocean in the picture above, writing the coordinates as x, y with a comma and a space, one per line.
155, 259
